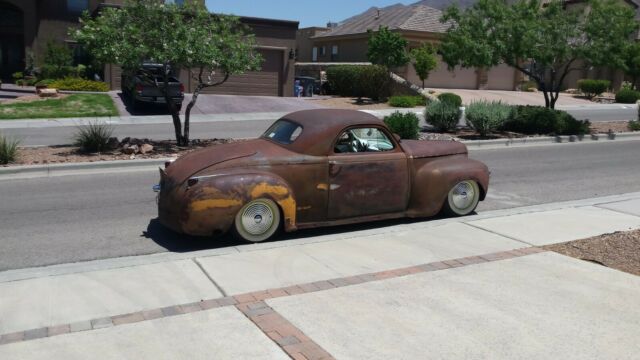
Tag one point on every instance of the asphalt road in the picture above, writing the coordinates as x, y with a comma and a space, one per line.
77, 218
59, 135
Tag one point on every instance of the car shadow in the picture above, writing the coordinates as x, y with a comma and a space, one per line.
181, 243
143, 108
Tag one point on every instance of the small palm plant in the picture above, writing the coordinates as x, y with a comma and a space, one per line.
8, 149
93, 137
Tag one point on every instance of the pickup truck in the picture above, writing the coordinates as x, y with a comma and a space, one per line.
138, 87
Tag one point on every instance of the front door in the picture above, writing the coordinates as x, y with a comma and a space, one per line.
368, 175
11, 56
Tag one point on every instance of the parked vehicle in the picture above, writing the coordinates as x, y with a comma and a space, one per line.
139, 87
309, 85
317, 168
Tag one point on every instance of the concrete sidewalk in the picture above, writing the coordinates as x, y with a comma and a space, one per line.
475, 287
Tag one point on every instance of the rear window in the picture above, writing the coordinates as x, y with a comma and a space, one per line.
283, 132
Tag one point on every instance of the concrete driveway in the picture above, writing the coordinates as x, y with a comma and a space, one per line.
221, 104
513, 97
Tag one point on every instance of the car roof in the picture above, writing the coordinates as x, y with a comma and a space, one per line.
320, 127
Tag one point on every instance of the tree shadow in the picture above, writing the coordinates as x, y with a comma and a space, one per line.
143, 108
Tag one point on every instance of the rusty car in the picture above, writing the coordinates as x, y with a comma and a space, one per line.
315, 168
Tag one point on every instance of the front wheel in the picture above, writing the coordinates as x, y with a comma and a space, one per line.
463, 198
257, 221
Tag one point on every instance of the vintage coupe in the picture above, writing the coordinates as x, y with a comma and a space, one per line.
317, 168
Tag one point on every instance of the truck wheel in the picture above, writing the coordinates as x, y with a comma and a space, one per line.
462, 199
257, 221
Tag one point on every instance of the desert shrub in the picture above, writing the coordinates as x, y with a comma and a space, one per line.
93, 137
443, 115
359, 81
8, 149
78, 84
540, 120
407, 101
592, 88
450, 98
405, 125
634, 125
485, 117
627, 96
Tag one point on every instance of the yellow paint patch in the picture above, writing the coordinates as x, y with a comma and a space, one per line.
281, 195
322, 186
202, 205
264, 188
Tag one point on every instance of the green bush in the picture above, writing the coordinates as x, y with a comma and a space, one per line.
451, 98
8, 149
405, 125
529, 86
57, 72
540, 120
17, 76
93, 137
592, 88
78, 84
45, 82
370, 81
634, 125
407, 101
443, 115
627, 96
485, 117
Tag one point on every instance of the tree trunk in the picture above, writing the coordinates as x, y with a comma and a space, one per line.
423, 83
173, 110
187, 113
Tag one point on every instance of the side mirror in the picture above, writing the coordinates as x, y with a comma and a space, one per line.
397, 137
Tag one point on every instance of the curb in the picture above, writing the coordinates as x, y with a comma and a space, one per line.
49, 170
478, 144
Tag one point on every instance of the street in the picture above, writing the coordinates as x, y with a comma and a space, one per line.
78, 218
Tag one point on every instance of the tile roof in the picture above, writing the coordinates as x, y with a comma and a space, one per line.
415, 17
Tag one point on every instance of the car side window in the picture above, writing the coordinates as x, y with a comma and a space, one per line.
362, 140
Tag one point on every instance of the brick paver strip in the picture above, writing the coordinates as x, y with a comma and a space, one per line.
276, 327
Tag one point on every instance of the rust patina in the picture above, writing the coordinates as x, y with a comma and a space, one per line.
313, 180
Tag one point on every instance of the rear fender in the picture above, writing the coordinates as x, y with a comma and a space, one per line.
214, 201
433, 180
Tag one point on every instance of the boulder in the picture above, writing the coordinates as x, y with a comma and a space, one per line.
146, 148
113, 143
130, 149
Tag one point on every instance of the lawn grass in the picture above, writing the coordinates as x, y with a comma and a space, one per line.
76, 105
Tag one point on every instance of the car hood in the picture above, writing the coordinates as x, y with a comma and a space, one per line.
190, 164
433, 148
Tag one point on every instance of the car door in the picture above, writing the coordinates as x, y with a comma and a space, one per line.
368, 174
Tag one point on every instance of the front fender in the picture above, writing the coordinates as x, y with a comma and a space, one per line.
433, 180
212, 204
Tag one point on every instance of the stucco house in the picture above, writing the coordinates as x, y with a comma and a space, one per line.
346, 42
27, 25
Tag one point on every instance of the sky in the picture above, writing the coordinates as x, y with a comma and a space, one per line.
308, 12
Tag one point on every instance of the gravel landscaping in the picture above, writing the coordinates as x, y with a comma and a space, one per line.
620, 250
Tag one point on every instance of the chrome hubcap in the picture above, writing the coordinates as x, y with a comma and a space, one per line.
463, 195
257, 219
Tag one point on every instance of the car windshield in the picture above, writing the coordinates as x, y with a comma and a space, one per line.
283, 131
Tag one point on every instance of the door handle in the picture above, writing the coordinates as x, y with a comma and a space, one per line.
334, 169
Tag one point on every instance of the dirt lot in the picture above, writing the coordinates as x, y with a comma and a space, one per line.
620, 250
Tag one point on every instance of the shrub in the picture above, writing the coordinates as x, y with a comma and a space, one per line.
485, 117
634, 125
78, 84
359, 81
8, 149
627, 96
45, 82
592, 88
442, 115
93, 137
57, 72
407, 101
529, 86
17, 76
450, 98
405, 125
540, 120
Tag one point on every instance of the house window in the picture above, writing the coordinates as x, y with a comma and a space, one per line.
323, 51
334, 52
314, 54
77, 6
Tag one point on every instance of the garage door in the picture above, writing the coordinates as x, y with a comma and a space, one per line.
441, 77
264, 82
501, 77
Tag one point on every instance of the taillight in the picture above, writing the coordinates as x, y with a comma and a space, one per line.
139, 88
181, 88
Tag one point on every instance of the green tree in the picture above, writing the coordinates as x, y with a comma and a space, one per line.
631, 66
425, 60
211, 47
57, 59
544, 42
387, 48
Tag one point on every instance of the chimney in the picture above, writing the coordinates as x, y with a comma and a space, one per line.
377, 13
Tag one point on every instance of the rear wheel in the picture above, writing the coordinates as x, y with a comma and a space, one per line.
257, 221
463, 198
